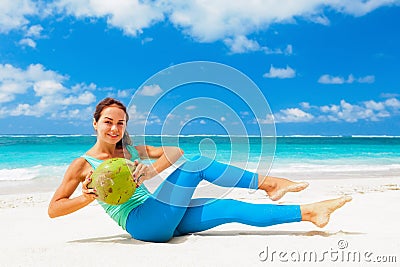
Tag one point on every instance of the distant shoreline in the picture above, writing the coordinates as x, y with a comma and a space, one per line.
207, 135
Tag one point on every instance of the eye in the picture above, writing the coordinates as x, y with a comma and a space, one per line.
108, 122
120, 123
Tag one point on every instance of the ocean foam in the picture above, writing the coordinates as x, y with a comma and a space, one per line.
31, 173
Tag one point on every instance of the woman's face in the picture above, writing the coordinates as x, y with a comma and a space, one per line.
111, 125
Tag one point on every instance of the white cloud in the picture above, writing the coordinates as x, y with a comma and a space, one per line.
85, 98
130, 16
31, 33
79, 87
153, 119
34, 31
136, 117
23, 109
374, 105
203, 20
366, 79
49, 93
343, 112
150, 90
146, 40
360, 7
212, 20
269, 119
329, 79
393, 103
241, 44
292, 115
305, 105
368, 111
15, 81
6, 97
27, 42
12, 88
14, 14
283, 73
289, 50
123, 93
319, 19
48, 87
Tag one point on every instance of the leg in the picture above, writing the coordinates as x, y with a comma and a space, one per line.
319, 213
179, 187
204, 214
276, 188
157, 218
231, 176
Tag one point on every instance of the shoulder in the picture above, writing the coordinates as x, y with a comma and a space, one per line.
79, 162
78, 169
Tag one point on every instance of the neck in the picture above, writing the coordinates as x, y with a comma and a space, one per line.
104, 148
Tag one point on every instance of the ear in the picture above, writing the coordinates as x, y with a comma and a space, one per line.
94, 124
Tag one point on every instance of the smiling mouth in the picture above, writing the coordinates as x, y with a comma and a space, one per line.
113, 135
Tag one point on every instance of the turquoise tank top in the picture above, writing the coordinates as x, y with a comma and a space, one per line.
119, 213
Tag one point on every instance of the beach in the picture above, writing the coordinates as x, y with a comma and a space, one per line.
364, 232
368, 225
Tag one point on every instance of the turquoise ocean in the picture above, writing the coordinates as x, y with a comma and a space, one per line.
37, 162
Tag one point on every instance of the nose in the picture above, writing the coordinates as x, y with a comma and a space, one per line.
113, 127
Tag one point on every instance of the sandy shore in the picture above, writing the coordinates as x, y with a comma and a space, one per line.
366, 229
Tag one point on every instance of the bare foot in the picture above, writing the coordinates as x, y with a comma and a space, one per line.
276, 188
319, 213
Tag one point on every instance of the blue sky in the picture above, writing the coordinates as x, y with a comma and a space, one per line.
325, 67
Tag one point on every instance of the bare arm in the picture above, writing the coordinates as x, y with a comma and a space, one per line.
165, 157
61, 203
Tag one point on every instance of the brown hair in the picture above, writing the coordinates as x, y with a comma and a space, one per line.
109, 102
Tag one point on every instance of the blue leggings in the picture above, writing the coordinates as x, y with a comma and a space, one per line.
171, 211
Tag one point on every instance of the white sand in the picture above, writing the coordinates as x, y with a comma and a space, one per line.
369, 225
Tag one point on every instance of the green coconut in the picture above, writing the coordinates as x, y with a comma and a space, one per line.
113, 181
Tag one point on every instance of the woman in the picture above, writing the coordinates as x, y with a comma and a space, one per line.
149, 217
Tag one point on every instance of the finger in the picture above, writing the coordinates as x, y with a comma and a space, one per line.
140, 179
137, 168
88, 178
90, 192
86, 183
136, 178
142, 169
89, 174
137, 172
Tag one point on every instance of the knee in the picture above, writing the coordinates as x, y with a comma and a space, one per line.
197, 163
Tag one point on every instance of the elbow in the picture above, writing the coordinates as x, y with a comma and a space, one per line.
50, 212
